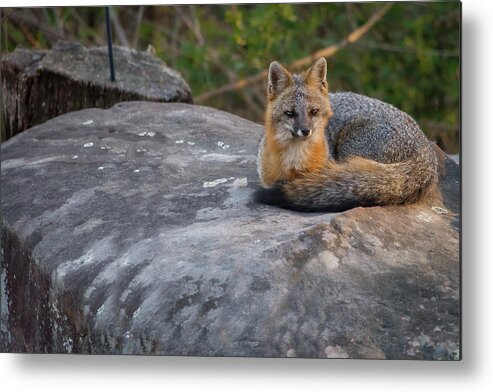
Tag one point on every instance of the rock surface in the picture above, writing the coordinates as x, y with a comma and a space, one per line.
133, 230
40, 84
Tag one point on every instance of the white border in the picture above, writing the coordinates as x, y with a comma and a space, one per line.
110, 373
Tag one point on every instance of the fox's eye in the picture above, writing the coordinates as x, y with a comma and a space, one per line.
289, 113
314, 111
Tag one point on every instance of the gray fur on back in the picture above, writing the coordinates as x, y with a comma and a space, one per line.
372, 129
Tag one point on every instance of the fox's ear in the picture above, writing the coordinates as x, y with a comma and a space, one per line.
317, 75
279, 79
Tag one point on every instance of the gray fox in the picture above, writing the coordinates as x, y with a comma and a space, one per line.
326, 151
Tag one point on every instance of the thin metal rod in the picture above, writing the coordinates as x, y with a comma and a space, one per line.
110, 43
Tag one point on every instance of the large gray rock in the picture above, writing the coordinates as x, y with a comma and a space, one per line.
133, 230
41, 84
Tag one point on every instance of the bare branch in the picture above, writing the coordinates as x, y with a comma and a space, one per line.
190, 24
326, 52
138, 23
20, 18
120, 33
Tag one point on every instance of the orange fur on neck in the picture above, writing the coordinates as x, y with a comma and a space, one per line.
314, 156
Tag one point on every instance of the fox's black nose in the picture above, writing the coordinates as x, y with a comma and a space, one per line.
305, 131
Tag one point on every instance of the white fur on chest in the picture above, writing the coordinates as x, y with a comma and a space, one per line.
295, 156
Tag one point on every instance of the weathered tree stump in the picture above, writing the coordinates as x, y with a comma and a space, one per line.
39, 85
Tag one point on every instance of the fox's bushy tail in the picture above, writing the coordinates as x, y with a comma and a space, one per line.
355, 182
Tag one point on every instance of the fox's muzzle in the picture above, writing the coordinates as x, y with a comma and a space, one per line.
302, 126
302, 133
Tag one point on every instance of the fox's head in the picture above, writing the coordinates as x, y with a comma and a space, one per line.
298, 105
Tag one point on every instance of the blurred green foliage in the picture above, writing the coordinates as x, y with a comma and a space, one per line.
410, 58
